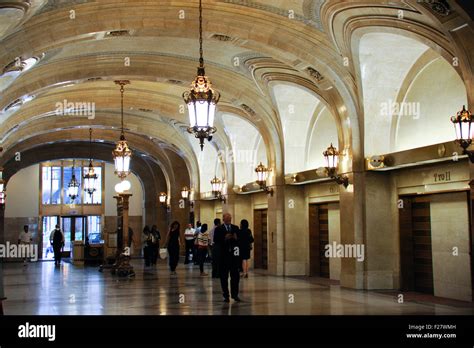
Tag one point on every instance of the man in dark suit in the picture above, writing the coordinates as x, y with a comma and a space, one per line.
225, 237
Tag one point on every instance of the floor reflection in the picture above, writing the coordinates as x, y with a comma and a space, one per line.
43, 289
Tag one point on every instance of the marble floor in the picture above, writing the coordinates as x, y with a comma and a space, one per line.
42, 289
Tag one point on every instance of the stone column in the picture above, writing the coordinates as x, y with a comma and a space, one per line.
352, 229
276, 230
296, 230
119, 232
229, 205
369, 217
382, 241
179, 211
125, 206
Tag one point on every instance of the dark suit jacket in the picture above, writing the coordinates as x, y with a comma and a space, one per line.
226, 247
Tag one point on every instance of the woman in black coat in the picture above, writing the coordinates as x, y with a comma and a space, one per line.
245, 240
173, 242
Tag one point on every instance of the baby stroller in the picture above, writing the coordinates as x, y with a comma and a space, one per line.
122, 266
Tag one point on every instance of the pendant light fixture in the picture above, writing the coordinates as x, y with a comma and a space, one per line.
201, 99
90, 178
73, 186
122, 153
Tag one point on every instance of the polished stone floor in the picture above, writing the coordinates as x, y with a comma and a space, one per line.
40, 288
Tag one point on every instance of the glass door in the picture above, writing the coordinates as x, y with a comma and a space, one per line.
67, 226
73, 228
48, 225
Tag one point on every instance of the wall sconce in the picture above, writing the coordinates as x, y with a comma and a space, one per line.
185, 193
262, 176
464, 130
162, 197
216, 185
331, 156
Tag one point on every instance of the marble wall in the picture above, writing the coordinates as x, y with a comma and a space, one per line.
334, 226
450, 233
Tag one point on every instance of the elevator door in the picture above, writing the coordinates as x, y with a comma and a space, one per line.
261, 239
415, 245
318, 239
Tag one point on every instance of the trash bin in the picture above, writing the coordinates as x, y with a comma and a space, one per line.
78, 253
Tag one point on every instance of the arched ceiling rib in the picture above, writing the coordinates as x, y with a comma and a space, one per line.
248, 44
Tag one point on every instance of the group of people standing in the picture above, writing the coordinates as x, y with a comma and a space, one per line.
228, 246
151, 245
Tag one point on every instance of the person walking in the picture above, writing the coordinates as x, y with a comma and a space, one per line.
147, 246
189, 243
202, 243
214, 249
57, 241
195, 250
156, 244
25, 238
225, 236
173, 243
245, 241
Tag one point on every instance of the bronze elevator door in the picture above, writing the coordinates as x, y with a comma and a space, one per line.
415, 245
318, 239
261, 239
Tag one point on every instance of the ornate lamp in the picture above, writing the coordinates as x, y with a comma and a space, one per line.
73, 186
262, 176
185, 193
331, 156
464, 128
90, 178
122, 153
201, 99
217, 185
162, 197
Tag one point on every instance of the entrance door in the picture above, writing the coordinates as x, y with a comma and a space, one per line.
48, 224
415, 245
318, 239
73, 228
260, 238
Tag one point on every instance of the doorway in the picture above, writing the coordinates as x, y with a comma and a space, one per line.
73, 228
434, 243
318, 239
415, 245
260, 238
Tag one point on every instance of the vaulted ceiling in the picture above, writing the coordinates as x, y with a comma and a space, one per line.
55, 51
